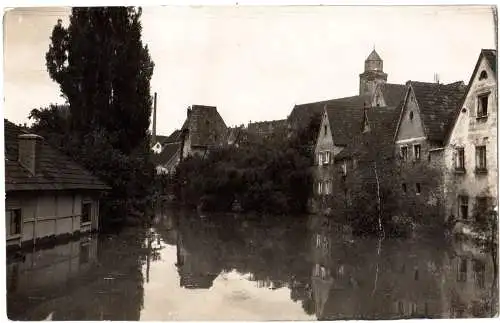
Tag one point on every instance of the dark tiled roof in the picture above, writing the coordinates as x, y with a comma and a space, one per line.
374, 56
174, 137
168, 152
205, 125
437, 103
161, 139
377, 142
393, 94
345, 117
302, 114
491, 57
56, 170
266, 127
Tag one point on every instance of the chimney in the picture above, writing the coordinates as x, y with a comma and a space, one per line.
154, 120
29, 152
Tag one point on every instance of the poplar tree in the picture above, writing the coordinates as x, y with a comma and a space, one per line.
104, 72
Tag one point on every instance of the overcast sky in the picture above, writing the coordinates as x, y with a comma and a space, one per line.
255, 63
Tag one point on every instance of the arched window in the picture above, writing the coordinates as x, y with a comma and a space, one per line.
483, 75
411, 115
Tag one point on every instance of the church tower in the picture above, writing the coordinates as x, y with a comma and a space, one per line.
373, 74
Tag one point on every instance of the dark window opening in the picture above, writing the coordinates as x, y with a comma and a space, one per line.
463, 207
462, 270
404, 153
418, 188
481, 207
403, 187
416, 150
326, 130
481, 158
483, 75
479, 269
86, 212
84, 253
460, 161
416, 274
482, 106
411, 115
15, 221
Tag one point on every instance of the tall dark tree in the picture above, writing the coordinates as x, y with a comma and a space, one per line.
104, 73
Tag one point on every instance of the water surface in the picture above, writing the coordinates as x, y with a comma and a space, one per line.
223, 267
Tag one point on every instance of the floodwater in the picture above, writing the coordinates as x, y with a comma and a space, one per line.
192, 267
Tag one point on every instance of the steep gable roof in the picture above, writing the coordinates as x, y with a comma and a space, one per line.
490, 55
393, 93
205, 125
302, 114
56, 170
437, 104
345, 116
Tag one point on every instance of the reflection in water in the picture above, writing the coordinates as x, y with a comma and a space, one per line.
187, 267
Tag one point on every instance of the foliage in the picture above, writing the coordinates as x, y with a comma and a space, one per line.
104, 73
265, 175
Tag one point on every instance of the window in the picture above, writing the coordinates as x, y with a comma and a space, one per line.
479, 269
404, 153
320, 158
480, 158
411, 115
86, 209
462, 270
460, 159
403, 187
416, 152
417, 188
344, 168
328, 187
327, 157
482, 105
320, 186
325, 130
84, 253
483, 75
15, 221
318, 240
463, 207
481, 207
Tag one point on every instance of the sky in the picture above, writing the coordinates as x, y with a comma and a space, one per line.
255, 63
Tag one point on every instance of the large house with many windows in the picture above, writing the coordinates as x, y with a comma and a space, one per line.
441, 138
471, 162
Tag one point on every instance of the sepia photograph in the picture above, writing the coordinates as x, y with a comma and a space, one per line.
250, 162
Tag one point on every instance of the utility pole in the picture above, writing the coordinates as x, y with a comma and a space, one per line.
154, 120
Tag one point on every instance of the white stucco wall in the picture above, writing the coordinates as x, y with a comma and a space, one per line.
46, 215
468, 132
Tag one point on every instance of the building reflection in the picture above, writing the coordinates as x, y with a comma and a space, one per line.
364, 279
95, 278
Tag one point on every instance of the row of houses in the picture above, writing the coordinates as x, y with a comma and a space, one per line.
436, 142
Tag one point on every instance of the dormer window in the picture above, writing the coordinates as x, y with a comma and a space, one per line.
483, 75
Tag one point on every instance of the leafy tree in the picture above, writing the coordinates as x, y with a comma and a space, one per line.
104, 73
